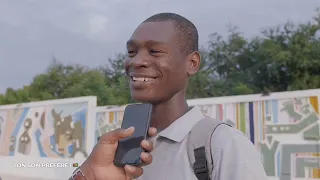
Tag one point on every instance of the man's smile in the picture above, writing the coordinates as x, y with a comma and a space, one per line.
140, 81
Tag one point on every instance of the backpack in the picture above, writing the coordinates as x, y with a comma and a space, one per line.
199, 147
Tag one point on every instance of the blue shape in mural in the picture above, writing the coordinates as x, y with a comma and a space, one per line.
17, 129
41, 151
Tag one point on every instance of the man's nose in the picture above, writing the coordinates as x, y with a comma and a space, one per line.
140, 60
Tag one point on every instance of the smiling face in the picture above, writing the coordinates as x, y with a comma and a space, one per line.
156, 68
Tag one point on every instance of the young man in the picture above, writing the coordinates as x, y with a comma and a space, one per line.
162, 55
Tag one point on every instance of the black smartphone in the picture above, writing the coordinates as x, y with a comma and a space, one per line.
129, 149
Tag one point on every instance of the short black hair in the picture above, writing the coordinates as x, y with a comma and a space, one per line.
187, 32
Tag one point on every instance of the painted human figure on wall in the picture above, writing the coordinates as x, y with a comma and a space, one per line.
24, 146
12, 144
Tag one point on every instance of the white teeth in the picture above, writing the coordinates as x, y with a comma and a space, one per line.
146, 79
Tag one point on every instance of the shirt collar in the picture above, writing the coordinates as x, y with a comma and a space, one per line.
181, 127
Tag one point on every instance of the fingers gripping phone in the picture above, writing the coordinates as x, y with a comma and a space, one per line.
129, 149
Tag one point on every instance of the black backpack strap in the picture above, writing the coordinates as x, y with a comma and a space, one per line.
200, 166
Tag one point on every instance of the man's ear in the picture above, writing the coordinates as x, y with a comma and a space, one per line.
194, 61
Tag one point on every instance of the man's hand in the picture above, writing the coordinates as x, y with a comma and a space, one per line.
99, 165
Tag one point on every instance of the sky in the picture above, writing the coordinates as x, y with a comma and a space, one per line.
89, 32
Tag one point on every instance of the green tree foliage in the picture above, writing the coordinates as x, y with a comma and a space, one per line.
282, 58
286, 57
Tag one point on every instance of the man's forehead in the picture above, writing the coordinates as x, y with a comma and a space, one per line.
161, 32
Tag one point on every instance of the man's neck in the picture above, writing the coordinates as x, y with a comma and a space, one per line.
166, 113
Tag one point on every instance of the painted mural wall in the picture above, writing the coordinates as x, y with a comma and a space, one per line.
283, 126
53, 129
108, 118
285, 131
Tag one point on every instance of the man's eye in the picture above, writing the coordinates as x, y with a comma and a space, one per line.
155, 51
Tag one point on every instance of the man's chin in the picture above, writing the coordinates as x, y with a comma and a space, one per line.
142, 97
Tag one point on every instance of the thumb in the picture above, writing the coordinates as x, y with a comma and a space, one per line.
113, 137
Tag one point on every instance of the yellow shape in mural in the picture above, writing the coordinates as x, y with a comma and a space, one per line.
111, 117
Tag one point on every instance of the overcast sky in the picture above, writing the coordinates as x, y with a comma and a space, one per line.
90, 31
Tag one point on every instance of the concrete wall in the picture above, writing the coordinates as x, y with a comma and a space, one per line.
283, 126
108, 118
46, 132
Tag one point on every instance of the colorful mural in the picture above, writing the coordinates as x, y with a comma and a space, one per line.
284, 127
55, 128
285, 131
107, 119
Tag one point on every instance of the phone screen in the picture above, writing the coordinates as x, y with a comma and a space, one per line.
129, 150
